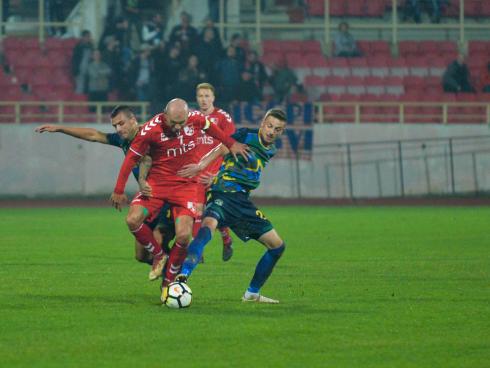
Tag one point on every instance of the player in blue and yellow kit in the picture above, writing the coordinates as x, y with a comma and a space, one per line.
229, 204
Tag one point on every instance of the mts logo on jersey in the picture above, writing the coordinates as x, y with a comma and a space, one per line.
184, 147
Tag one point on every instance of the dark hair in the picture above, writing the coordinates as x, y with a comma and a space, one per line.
276, 113
124, 109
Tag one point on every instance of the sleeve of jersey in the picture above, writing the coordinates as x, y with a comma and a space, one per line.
217, 133
240, 135
113, 139
132, 157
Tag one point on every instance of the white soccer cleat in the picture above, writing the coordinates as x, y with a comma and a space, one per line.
257, 298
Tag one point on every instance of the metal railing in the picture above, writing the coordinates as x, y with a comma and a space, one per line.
324, 112
59, 111
403, 112
327, 24
434, 166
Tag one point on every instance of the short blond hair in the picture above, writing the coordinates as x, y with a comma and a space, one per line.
205, 86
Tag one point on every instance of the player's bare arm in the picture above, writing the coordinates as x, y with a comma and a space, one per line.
118, 201
144, 168
188, 171
87, 134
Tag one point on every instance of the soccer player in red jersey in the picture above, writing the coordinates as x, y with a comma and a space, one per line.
126, 127
170, 139
205, 99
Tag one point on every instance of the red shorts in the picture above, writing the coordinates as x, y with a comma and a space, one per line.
184, 199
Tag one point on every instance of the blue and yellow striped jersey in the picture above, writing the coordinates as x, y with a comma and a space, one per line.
243, 176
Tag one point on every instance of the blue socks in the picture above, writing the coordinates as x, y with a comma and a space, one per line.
194, 252
264, 268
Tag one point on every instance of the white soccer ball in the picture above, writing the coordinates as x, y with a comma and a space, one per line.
177, 295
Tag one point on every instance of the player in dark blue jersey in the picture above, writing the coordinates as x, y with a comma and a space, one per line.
124, 122
229, 204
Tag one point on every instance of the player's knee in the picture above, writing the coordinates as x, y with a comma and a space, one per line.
133, 221
183, 239
278, 251
140, 257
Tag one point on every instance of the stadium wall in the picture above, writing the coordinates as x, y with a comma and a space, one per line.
37, 165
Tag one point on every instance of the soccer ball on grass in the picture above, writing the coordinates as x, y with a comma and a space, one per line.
177, 295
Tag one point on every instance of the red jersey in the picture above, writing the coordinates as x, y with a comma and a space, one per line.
222, 120
168, 150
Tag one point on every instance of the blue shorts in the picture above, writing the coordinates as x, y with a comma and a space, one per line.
236, 211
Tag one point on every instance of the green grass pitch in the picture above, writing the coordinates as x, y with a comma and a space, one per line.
359, 287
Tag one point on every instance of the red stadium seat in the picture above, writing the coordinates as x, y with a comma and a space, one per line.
311, 47
339, 66
380, 48
355, 85
379, 66
409, 48
359, 67
355, 8
337, 8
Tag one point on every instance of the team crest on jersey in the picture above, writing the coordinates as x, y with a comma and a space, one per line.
192, 207
218, 202
188, 130
214, 120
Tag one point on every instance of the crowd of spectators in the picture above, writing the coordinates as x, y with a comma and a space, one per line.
135, 61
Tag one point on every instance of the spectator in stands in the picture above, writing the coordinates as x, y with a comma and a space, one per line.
485, 81
111, 55
345, 44
189, 78
133, 15
120, 30
140, 71
248, 90
413, 9
209, 52
82, 54
236, 42
158, 81
98, 74
54, 12
228, 72
171, 67
5, 13
298, 94
184, 33
153, 30
282, 80
257, 72
456, 78
213, 6
209, 25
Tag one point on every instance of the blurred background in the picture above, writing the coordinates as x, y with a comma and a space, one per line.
385, 98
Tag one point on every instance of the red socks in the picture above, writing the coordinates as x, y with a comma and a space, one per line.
145, 236
174, 263
225, 235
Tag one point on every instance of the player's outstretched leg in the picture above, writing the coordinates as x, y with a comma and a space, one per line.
227, 243
143, 234
264, 268
194, 252
183, 232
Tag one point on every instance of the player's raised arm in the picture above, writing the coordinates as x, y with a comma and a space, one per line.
188, 171
235, 147
144, 168
87, 134
134, 155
